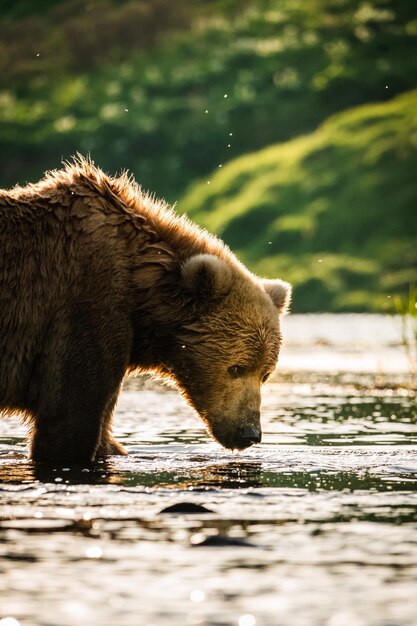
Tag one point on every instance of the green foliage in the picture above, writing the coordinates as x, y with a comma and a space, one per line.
113, 78
55, 37
60, 37
333, 212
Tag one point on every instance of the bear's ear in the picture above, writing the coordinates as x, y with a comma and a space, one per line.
207, 275
280, 293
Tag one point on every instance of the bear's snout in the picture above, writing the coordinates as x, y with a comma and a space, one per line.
250, 434
244, 437
238, 438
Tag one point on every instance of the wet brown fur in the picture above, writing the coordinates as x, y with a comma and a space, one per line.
92, 285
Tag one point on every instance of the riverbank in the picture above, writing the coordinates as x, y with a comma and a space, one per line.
356, 343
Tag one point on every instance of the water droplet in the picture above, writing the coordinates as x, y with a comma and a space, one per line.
225, 95
126, 110
386, 86
37, 54
58, 479
228, 145
269, 242
197, 595
220, 165
208, 182
95, 552
320, 260
230, 134
206, 110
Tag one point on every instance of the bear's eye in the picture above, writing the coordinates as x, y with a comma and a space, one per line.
236, 371
265, 377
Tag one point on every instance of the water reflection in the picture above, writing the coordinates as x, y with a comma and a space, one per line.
15, 471
229, 475
202, 474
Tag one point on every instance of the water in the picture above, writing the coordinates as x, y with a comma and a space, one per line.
315, 527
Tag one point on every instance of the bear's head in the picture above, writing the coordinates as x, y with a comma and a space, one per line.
230, 348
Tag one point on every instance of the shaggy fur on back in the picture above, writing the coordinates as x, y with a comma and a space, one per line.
81, 188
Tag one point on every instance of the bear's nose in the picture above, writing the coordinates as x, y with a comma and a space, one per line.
250, 435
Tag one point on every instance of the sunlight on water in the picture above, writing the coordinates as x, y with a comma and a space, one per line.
315, 526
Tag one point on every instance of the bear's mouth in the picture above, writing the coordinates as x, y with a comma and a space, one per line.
239, 439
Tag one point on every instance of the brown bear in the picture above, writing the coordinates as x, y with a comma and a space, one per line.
98, 279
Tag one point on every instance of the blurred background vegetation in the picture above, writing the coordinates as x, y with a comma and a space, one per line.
288, 127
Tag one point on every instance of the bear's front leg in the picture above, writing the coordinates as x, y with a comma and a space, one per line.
79, 429
109, 445
81, 436
65, 438
72, 421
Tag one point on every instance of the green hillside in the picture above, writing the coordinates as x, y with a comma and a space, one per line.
143, 85
333, 212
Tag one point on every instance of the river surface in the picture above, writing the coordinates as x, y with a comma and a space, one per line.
317, 526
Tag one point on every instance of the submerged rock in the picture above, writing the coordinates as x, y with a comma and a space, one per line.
220, 541
186, 507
